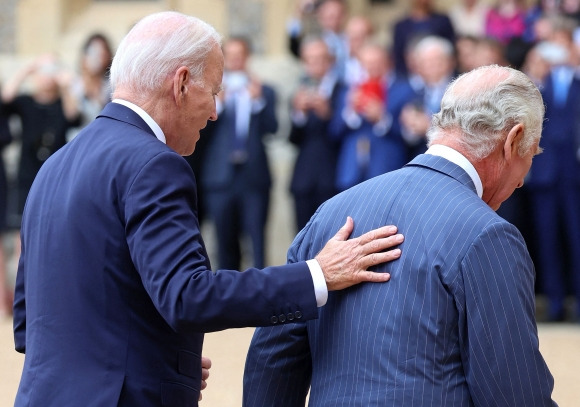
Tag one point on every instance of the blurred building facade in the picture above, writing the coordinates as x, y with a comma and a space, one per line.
30, 27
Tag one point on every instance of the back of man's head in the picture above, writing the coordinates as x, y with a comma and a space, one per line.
156, 46
481, 105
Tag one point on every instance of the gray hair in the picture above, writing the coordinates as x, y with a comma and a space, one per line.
485, 103
433, 41
157, 46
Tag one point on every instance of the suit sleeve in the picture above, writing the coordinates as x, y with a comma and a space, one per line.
278, 365
498, 333
267, 116
169, 254
19, 319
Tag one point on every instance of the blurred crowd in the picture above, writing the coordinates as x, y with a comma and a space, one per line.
43, 106
362, 107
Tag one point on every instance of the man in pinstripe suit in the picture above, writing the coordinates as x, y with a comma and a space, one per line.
455, 326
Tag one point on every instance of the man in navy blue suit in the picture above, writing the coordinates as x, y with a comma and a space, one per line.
312, 107
114, 289
456, 324
554, 182
366, 121
235, 178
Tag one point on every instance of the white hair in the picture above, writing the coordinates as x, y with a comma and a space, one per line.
485, 103
433, 41
157, 46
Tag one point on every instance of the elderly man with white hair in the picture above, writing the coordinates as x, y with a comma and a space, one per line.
114, 288
456, 325
433, 66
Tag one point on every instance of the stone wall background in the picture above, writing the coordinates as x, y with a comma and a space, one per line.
7, 26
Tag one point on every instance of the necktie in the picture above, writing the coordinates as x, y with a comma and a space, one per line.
238, 154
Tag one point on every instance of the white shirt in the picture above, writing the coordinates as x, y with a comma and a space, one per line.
457, 158
320, 288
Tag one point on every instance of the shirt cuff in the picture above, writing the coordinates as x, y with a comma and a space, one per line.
299, 118
351, 118
320, 289
258, 104
382, 127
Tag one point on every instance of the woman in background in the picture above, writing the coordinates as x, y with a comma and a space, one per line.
92, 89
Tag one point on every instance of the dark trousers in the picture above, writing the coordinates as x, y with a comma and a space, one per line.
556, 213
238, 212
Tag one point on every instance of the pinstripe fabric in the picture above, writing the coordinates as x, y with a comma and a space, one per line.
455, 326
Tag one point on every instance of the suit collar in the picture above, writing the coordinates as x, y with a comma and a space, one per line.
122, 113
444, 166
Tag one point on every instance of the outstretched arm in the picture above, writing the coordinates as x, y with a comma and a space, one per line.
346, 262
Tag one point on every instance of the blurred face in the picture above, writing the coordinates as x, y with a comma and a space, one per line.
433, 64
97, 57
422, 3
374, 61
466, 54
536, 67
570, 6
331, 15
235, 56
317, 61
358, 30
199, 104
45, 79
488, 54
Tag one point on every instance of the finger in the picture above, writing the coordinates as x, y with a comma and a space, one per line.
379, 258
204, 373
379, 245
205, 362
384, 231
345, 231
203, 384
372, 277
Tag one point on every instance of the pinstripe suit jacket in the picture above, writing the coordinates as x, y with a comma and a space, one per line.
454, 326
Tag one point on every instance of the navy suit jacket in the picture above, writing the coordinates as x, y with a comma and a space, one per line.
218, 172
455, 325
315, 166
114, 289
560, 139
387, 152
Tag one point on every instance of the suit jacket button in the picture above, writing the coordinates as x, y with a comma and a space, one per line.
290, 316
274, 319
282, 318
298, 314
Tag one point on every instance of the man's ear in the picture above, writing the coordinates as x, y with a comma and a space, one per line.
512, 142
180, 83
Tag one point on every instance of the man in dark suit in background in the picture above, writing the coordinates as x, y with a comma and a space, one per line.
554, 183
114, 289
235, 176
366, 121
456, 326
313, 104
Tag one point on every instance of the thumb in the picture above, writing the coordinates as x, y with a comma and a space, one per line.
345, 231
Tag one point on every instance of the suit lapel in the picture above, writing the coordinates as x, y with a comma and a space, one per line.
122, 113
443, 166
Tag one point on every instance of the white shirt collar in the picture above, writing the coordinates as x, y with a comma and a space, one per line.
457, 158
145, 116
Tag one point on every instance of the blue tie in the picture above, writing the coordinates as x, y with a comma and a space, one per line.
238, 153
561, 85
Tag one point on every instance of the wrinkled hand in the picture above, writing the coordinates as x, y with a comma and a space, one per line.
205, 366
345, 262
